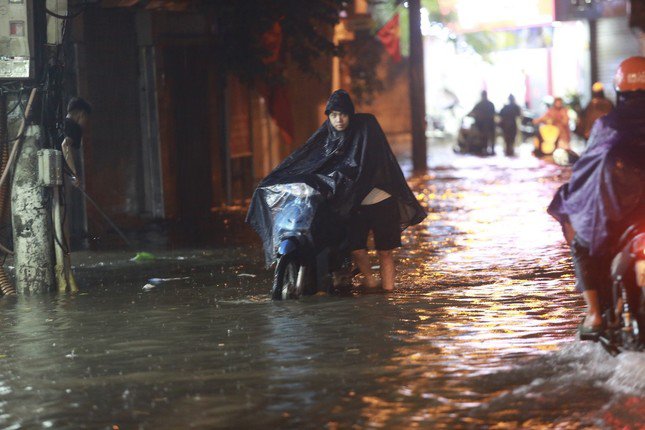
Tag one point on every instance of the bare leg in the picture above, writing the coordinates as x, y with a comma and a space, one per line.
387, 269
593, 318
568, 231
640, 273
362, 260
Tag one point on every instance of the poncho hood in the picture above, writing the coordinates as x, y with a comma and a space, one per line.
340, 101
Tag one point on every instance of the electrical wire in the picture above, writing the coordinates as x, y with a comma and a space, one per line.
68, 17
51, 88
6, 287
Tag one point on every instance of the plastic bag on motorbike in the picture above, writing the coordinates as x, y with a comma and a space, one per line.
290, 210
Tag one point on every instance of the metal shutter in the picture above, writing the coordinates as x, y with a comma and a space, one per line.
616, 41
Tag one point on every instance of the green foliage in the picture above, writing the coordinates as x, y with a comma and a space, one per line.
434, 12
572, 99
362, 58
364, 53
238, 27
143, 256
482, 42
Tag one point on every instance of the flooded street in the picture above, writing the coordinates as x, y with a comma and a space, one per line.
481, 332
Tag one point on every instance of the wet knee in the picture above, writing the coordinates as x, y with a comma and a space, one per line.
385, 254
359, 252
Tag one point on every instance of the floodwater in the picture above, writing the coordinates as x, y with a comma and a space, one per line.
480, 333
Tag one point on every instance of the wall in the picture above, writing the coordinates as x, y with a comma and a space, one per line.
616, 41
391, 106
109, 80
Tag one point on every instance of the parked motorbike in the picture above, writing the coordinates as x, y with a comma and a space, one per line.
308, 260
623, 304
527, 129
470, 139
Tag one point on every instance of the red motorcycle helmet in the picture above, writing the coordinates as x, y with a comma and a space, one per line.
630, 75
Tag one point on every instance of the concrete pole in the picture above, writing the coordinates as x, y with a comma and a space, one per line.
593, 50
32, 234
417, 89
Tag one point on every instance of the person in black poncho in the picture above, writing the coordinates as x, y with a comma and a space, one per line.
349, 160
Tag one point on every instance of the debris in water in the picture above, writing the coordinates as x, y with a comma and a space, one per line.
159, 280
247, 275
148, 287
143, 256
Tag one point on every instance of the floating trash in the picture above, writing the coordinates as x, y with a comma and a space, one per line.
143, 256
159, 280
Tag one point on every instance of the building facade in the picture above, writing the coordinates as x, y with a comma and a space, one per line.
173, 138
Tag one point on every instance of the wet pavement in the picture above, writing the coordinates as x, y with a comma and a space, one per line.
480, 333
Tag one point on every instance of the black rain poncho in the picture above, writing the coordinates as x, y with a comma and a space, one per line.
342, 168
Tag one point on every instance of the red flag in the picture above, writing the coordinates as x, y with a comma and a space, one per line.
389, 37
276, 95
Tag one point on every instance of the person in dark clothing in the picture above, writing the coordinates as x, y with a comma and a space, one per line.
69, 142
349, 161
74, 124
508, 122
377, 212
606, 192
484, 115
597, 107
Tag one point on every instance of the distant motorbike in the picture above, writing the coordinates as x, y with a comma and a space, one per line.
307, 259
623, 304
565, 157
527, 129
546, 140
470, 139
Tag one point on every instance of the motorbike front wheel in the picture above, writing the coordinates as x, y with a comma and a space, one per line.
285, 278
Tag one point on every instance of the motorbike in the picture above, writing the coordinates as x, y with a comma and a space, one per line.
470, 139
623, 304
308, 257
527, 129
546, 140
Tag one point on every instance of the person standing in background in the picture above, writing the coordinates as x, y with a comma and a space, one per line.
597, 107
508, 122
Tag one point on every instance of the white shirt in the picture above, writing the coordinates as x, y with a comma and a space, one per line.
375, 196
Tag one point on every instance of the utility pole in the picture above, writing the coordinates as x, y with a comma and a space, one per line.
417, 89
32, 234
593, 49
